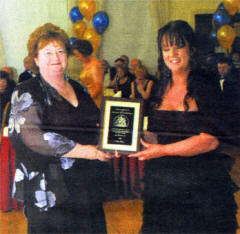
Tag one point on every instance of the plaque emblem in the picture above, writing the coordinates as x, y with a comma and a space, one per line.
121, 121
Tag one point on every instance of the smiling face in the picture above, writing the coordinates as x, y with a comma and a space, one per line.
176, 57
52, 59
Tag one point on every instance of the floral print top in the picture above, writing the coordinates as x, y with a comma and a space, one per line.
43, 126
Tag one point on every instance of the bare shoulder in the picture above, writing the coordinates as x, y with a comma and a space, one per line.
95, 61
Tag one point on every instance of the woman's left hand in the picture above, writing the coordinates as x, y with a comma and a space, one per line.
102, 156
150, 151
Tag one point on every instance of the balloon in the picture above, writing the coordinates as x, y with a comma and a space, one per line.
221, 6
75, 14
226, 36
79, 28
232, 6
87, 8
221, 17
100, 21
72, 39
92, 36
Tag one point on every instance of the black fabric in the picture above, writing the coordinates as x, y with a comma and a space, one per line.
187, 194
67, 221
125, 88
26, 75
113, 72
77, 190
212, 106
12, 85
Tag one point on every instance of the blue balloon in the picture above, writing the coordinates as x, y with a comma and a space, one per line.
221, 17
72, 39
100, 21
75, 14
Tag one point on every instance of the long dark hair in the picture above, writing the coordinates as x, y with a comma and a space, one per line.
179, 33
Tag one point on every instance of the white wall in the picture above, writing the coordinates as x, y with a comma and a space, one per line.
2, 54
18, 18
186, 9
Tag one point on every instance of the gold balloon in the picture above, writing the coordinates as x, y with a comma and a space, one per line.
92, 36
87, 8
79, 28
231, 6
226, 36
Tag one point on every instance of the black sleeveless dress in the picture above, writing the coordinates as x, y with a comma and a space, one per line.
187, 194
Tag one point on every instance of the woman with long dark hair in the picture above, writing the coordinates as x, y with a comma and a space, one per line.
188, 188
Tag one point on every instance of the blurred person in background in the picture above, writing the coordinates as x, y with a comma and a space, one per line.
142, 87
92, 72
27, 74
5, 97
122, 82
134, 63
10, 72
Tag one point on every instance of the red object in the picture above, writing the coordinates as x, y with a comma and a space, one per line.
7, 172
129, 172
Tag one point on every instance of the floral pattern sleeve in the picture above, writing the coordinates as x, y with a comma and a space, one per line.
25, 121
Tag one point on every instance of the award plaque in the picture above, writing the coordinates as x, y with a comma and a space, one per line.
121, 124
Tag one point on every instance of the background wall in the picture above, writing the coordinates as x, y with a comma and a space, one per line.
18, 18
2, 54
186, 9
130, 30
